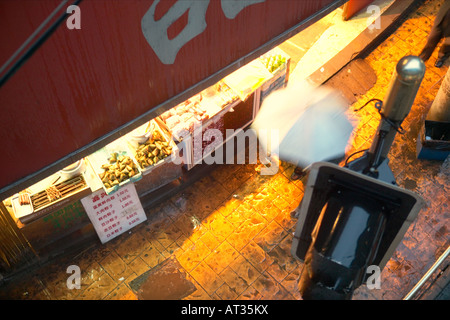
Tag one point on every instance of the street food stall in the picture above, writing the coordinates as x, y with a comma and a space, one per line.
99, 115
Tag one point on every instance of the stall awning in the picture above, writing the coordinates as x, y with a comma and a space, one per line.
129, 61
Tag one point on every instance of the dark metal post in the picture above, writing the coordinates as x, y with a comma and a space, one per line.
402, 91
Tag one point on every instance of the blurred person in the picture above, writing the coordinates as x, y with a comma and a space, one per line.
440, 29
310, 121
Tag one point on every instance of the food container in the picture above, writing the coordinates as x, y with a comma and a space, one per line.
52, 193
101, 159
247, 79
161, 141
280, 70
20, 209
140, 135
73, 170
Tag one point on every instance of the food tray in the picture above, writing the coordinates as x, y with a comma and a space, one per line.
102, 156
21, 210
278, 57
65, 189
133, 147
247, 79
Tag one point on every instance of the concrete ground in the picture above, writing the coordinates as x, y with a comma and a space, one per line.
229, 235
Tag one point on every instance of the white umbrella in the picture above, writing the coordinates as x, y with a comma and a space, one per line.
311, 123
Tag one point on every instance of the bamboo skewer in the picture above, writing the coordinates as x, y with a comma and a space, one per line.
64, 188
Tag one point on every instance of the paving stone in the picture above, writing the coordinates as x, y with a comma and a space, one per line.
102, 285
193, 256
151, 256
116, 267
245, 269
206, 277
233, 280
254, 254
221, 257
250, 293
226, 293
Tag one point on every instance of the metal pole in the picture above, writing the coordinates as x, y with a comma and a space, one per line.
427, 275
397, 104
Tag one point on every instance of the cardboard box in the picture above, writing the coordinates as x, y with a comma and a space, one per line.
433, 141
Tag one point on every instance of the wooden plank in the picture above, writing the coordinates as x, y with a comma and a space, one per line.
366, 41
346, 92
354, 80
368, 77
350, 76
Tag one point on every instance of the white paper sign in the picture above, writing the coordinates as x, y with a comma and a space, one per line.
115, 213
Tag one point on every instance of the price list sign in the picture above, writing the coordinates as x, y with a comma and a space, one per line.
115, 213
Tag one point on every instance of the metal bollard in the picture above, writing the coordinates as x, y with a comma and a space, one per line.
400, 96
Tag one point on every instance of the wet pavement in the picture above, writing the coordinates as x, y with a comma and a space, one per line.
229, 235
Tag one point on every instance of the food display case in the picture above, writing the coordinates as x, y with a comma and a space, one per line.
154, 155
278, 64
157, 155
151, 147
199, 125
196, 111
190, 121
50, 210
51, 193
114, 167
